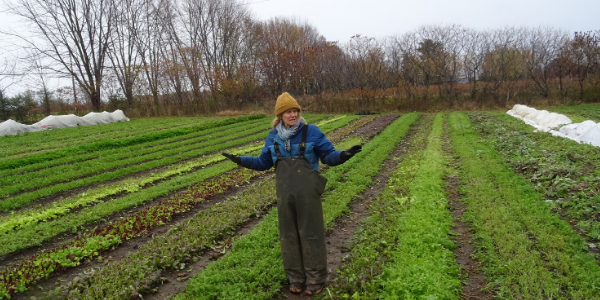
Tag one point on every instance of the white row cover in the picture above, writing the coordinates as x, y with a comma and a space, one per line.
11, 127
587, 132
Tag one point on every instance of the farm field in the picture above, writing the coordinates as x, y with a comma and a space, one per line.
437, 206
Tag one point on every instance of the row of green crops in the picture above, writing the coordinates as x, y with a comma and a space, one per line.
25, 218
16, 145
90, 172
374, 239
565, 172
106, 163
153, 160
401, 251
111, 144
124, 152
60, 207
422, 264
23, 199
253, 269
138, 149
17, 277
106, 284
37, 233
141, 271
33, 232
527, 251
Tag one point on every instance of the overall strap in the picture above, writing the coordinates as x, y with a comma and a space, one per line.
277, 151
303, 143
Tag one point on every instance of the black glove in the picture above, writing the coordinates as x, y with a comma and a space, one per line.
235, 159
348, 153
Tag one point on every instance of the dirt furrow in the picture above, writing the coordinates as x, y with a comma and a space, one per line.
473, 279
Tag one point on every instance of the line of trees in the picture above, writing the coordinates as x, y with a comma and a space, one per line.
202, 56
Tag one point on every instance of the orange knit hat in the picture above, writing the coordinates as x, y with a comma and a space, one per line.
284, 102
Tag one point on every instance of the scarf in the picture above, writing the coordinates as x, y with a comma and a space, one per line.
287, 133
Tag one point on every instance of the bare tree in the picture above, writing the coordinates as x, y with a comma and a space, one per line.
585, 57
476, 47
502, 65
150, 42
38, 69
404, 51
539, 49
124, 55
77, 31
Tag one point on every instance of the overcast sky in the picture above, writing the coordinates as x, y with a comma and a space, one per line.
338, 20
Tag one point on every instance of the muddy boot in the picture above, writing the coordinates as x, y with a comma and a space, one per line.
313, 289
297, 287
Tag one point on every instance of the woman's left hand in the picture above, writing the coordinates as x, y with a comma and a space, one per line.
348, 153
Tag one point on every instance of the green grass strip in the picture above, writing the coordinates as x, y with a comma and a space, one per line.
377, 236
526, 250
422, 266
579, 113
253, 269
109, 144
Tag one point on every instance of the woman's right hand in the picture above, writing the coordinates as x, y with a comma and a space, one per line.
233, 158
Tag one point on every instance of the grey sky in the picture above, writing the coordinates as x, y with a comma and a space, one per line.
338, 20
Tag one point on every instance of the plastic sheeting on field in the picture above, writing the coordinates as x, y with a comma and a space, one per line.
105, 117
11, 127
55, 122
587, 132
542, 120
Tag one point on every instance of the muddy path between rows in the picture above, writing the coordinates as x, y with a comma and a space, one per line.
176, 281
473, 280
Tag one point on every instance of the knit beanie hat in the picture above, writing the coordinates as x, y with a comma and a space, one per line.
284, 102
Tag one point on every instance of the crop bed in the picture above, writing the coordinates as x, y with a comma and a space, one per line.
150, 209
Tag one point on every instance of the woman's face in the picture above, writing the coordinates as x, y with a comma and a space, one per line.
290, 117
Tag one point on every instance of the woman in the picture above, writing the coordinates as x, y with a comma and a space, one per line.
295, 147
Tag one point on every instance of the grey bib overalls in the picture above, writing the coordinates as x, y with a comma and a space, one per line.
301, 226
